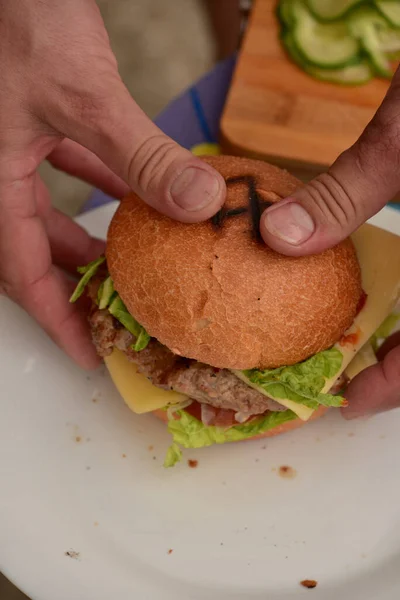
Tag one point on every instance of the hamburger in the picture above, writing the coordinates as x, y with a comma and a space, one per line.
223, 338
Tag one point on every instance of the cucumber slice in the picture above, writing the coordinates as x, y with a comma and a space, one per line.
364, 24
350, 75
389, 40
324, 45
285, 13
330, 10
356, 74
390, 9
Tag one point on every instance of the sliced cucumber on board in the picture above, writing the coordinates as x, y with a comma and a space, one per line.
389, 40
390, 9
356, 74
324, 45
285, 13
351, 75
364, 24
330, 10
342, 41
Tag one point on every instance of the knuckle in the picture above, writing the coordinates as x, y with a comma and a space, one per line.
331, 202
89, 108
88, 101
380, 143
151, 161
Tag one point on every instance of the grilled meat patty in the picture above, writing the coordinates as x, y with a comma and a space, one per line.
217, 387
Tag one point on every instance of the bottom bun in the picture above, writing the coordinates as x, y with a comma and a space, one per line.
289, 426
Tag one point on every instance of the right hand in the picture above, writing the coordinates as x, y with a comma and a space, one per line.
328, 209
61, 98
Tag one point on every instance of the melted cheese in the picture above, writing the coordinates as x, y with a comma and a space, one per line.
378, 252
303, 412
139, 394
379, 256
364, 358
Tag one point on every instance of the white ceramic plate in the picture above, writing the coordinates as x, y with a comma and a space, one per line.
88, 512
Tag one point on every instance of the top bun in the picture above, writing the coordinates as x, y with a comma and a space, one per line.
215, 293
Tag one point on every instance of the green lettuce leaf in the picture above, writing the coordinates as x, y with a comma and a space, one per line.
87, 271
303, 382
106, 293
108, 298
189, 432
142, 340
385, 330
174, 455
118, 310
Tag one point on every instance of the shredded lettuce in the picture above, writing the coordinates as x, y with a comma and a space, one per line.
142, 340
189, 432
118, 310
87, 271
302, 383
174, 455
105, 293
108, 298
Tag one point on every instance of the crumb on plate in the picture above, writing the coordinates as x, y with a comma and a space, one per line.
309, 583
287, 472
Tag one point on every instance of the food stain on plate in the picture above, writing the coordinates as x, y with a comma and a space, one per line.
309, 583
96, 394
193, 464
287, 472
73, 554
77, 436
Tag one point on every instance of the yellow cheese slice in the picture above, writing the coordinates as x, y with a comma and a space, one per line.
378, 252
303, 412
139, 394
379, 255
364, 358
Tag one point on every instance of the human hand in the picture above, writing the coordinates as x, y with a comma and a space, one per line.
61, 98
319, 215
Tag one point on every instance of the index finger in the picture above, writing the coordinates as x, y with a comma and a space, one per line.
28, 277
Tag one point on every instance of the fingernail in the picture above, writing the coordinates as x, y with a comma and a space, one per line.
289, 222
194, 189
360, 417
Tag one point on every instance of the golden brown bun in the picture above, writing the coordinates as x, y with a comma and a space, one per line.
289, 426
217, 295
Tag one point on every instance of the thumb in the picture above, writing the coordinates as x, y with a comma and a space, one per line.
361, 181
165, 175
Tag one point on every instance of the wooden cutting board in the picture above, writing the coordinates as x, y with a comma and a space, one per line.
277, 112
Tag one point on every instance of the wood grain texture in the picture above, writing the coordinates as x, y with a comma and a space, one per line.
277, 112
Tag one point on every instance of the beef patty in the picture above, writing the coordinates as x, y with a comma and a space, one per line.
219, 388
